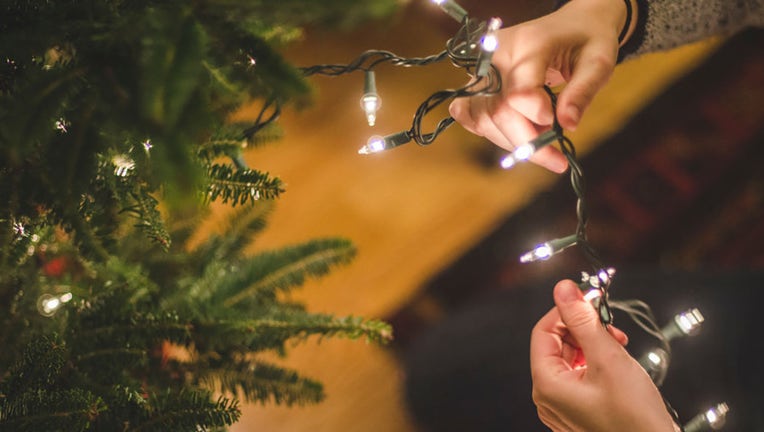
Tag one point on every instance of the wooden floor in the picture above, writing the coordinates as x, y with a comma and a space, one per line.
410, 212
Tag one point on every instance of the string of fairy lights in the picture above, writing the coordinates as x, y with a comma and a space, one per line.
472, 49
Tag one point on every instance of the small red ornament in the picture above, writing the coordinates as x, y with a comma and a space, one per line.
56, 267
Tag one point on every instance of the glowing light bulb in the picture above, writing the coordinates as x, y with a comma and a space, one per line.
370, 101
452, 8
593, 295
684, 324
545, 250
524, 152
541, 252
488, 45
712, 419
377, 144
655, 363
19, 230
122, 165
593, 288
62, 125
49, 304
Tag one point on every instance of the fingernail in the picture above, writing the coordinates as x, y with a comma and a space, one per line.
567, 294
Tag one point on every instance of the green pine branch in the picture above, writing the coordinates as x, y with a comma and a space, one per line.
188, 410
260, 277
271, 333
229, 140
241, 228
239, 186
39, 366
151, 84
260, 382
41, 410
149, 219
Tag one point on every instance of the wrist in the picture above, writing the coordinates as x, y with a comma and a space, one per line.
620, 16
630, 22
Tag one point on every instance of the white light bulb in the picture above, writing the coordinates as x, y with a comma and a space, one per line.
19, 230
508, 161
370, 101
371, 104
712, 419
48, 304
521, 153
687, 323
51, 305
452, 8
122, 165
62, 125
490, 41
488, 45
524, 152
547, 249
656, 363
592, 295
377, 143
717, 415
541, 252
606, 275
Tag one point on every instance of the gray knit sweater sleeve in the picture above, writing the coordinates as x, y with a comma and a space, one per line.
665, 24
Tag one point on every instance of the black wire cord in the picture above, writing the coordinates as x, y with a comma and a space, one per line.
463, 51
637, 310
578, 183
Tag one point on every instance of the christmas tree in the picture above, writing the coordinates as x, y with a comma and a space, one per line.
114, 142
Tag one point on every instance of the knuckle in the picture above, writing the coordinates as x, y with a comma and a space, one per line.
457, 111
542, 389
580, 316
483, 125
602, 62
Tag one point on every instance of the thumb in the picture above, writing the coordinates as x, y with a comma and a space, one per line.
590, 73
580, 318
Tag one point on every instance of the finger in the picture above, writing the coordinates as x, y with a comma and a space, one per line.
473, 114
590, 73
552, 420
533, 103
459, 109
517, 129
553, 78
617, 334
546, 350
550, 158
581, 320
523, 87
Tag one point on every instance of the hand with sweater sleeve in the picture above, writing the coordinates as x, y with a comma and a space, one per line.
578, 44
